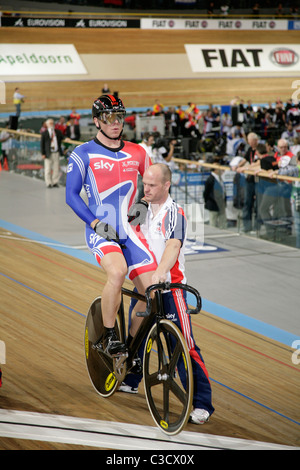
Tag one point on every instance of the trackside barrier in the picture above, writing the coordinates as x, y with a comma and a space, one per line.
2, 358
274, 215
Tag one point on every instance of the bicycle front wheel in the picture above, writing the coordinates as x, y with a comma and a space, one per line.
168, 377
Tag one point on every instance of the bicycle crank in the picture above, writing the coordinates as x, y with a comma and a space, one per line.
120, 366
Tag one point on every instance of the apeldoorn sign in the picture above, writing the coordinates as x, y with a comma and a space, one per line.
251, 58
40, 59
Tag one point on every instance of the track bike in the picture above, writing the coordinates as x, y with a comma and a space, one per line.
166, 366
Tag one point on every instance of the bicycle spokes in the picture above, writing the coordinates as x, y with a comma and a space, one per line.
167, 377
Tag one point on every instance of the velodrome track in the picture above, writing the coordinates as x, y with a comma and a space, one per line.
48, 281
47, 285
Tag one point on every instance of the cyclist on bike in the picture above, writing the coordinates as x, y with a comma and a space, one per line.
107, 168
165, 231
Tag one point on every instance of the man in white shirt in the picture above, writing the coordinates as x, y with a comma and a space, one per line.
165, 230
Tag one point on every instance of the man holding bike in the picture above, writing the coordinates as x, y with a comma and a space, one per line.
164, 229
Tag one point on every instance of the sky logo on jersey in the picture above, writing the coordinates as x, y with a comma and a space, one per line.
102, 165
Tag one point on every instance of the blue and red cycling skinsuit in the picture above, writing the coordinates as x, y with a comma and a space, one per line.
109, 178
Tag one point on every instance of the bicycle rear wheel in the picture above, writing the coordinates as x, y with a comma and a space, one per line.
168, 377
99, 365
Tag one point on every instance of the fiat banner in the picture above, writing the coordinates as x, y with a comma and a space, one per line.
250, 58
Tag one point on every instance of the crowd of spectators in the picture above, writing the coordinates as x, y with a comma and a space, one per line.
246, 137
222, 131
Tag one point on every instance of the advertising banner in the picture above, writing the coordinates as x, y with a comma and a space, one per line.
250, 58
40, 59
36, 22
215, 24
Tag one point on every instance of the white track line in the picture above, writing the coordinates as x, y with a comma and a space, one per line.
112, 435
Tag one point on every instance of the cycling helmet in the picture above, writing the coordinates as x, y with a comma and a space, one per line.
107, 104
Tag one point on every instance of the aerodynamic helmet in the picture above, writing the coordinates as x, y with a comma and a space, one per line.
108, 104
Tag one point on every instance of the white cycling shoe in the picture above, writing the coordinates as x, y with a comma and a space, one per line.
199, 416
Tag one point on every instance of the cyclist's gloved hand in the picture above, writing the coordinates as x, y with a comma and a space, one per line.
138, 212
106, 231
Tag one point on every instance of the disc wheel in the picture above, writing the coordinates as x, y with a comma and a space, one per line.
168, 377
99, 365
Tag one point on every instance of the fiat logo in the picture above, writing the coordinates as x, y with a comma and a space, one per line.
284, 57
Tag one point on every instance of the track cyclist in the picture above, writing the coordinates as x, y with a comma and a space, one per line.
107, 168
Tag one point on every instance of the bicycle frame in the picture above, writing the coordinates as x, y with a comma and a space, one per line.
154, 311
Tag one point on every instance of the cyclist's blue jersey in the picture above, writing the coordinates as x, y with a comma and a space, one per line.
109, 178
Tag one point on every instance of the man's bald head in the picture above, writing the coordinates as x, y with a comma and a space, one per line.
157, 182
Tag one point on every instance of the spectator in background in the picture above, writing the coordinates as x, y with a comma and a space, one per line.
44, 127
295, 149
214, 197
5, 140
147, 143
73, 129
76, 116
289, 134
163, 152
131, 120
61, 125
105, 89
51, 150
158, 108
226, 123
172, 122
250, 196
296, 203
18, 98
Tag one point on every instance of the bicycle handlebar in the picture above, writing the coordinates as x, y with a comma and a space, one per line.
164, 286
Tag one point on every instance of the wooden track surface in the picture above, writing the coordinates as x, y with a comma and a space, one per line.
65, 95
45, 295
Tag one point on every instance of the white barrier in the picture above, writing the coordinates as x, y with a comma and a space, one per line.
2, 353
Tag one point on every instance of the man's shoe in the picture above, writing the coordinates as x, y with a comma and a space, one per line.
127, 388
112, 345
199, 416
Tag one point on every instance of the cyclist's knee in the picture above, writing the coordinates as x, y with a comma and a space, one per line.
116, 275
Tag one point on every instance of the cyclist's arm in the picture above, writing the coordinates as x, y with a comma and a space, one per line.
74, 182
169, 258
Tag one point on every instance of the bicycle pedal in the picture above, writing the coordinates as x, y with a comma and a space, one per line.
137, 367
98, 346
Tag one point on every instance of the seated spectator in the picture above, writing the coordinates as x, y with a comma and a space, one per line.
73, 129
163, 151
295, 148
289, 134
